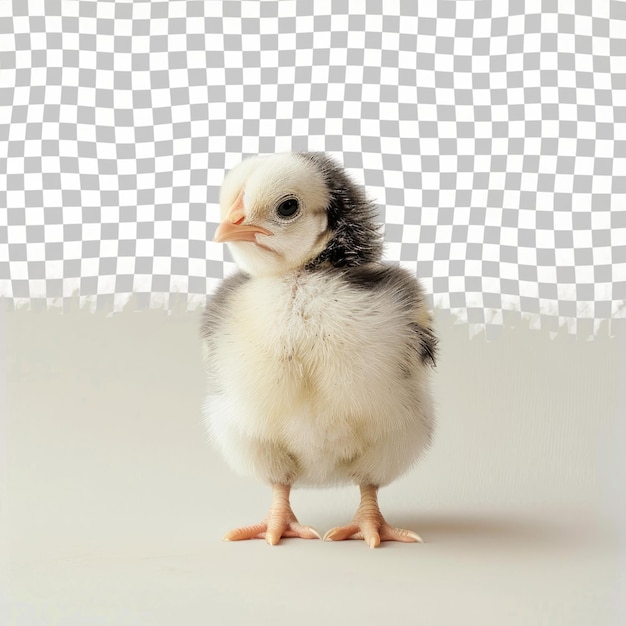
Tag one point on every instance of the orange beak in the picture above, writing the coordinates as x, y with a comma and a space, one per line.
233, 228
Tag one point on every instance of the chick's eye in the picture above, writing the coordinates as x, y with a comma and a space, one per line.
287, 208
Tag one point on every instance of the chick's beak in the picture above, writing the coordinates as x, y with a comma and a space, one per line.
233, 227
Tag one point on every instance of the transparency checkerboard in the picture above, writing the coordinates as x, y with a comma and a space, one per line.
492, 135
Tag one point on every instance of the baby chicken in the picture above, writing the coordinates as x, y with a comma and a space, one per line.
317, 354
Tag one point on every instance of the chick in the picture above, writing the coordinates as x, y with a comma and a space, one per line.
317, 354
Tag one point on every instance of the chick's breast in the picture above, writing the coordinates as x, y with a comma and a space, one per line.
329, 368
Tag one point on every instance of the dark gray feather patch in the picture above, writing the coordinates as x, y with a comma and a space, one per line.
356, 236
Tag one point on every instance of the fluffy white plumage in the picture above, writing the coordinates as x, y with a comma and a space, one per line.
317, 354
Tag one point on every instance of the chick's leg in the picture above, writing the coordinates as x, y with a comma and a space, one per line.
279, 522
369, 524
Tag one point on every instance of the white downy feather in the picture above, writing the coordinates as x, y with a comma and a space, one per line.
314, 367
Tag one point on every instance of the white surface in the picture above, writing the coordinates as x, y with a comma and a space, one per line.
116, 505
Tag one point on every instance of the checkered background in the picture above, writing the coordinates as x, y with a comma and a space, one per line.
492, 135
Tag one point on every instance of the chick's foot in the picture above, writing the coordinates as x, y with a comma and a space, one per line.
279, 522
370, 525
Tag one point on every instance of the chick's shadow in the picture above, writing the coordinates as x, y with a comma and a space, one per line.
482, 529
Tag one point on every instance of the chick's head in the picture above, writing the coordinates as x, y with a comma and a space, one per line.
273, 211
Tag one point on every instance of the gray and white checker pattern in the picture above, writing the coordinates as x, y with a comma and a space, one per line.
493, 135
